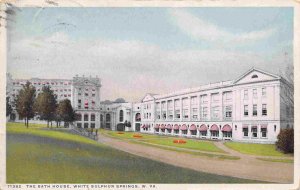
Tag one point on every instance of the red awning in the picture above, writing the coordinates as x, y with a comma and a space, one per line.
183, 127
264, 126
156, 126
226, 128
162, 126
214, 127
169, 126
245, 126
176, 127
193, 127
143, 126
203, 127
254, 126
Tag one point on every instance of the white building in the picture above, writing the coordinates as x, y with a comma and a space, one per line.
83, 92
248, 109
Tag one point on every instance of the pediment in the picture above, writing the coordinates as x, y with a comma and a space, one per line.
148, 97
255, 75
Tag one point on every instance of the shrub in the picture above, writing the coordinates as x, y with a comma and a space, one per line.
285, 141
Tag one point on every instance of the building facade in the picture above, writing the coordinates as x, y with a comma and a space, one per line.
248, 109
83, 93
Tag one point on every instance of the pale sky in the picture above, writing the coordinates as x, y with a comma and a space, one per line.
139, 50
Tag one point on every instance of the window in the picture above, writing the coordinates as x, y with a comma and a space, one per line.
185, 113
158, 115
254, 76
170, 104
254, 113
93, 95
245, 110
274, 128
264, 109
264, 132
170, 114
245, 131
255, 93
101, 117
86, 125
194, 100
164, 113
78, 117
195, 113
79, 106
93, 117
184, 132
177, 103
92, 125
79, 101
157, 106
245, 94
121, 116
204, 112
86, 117
215, 112
228, 111
177, 114
163, 105
185, 102
254, 131
86, 94
228, 96
263, 92
203, 98
107, 117
79, 125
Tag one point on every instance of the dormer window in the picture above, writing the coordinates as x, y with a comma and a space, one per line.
254, 76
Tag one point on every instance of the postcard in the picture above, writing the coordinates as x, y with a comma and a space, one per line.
149, 95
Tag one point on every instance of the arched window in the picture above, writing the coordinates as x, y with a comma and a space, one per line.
107, 118
138, 117
254, 76
121, 115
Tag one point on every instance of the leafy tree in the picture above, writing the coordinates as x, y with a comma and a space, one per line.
285, 140
8, 107
25, 102
45, 105
65, 112
287, 91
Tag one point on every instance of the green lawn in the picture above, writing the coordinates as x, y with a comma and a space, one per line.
200, 145
255, 149
34, 157
276, 160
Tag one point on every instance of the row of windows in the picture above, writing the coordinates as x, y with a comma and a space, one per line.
86, 89
194, 100
86, 125
254, 132
254, 93
87, 94
215, 113
85, 117
264, 111
43, 83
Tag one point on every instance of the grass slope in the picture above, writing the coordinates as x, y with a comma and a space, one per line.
254, 149
35, 157
201, 145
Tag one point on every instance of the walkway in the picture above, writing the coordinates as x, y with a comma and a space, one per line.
247, 167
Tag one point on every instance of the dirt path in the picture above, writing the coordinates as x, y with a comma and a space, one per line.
247, 167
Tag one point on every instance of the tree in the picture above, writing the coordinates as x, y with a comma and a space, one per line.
65, 112
45, 105
287, 95
285, 141
119, 100
25, 102
8, 107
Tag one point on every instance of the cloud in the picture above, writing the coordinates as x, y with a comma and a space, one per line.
200, 29
128, 69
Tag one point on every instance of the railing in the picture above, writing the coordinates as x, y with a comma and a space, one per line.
90, 133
